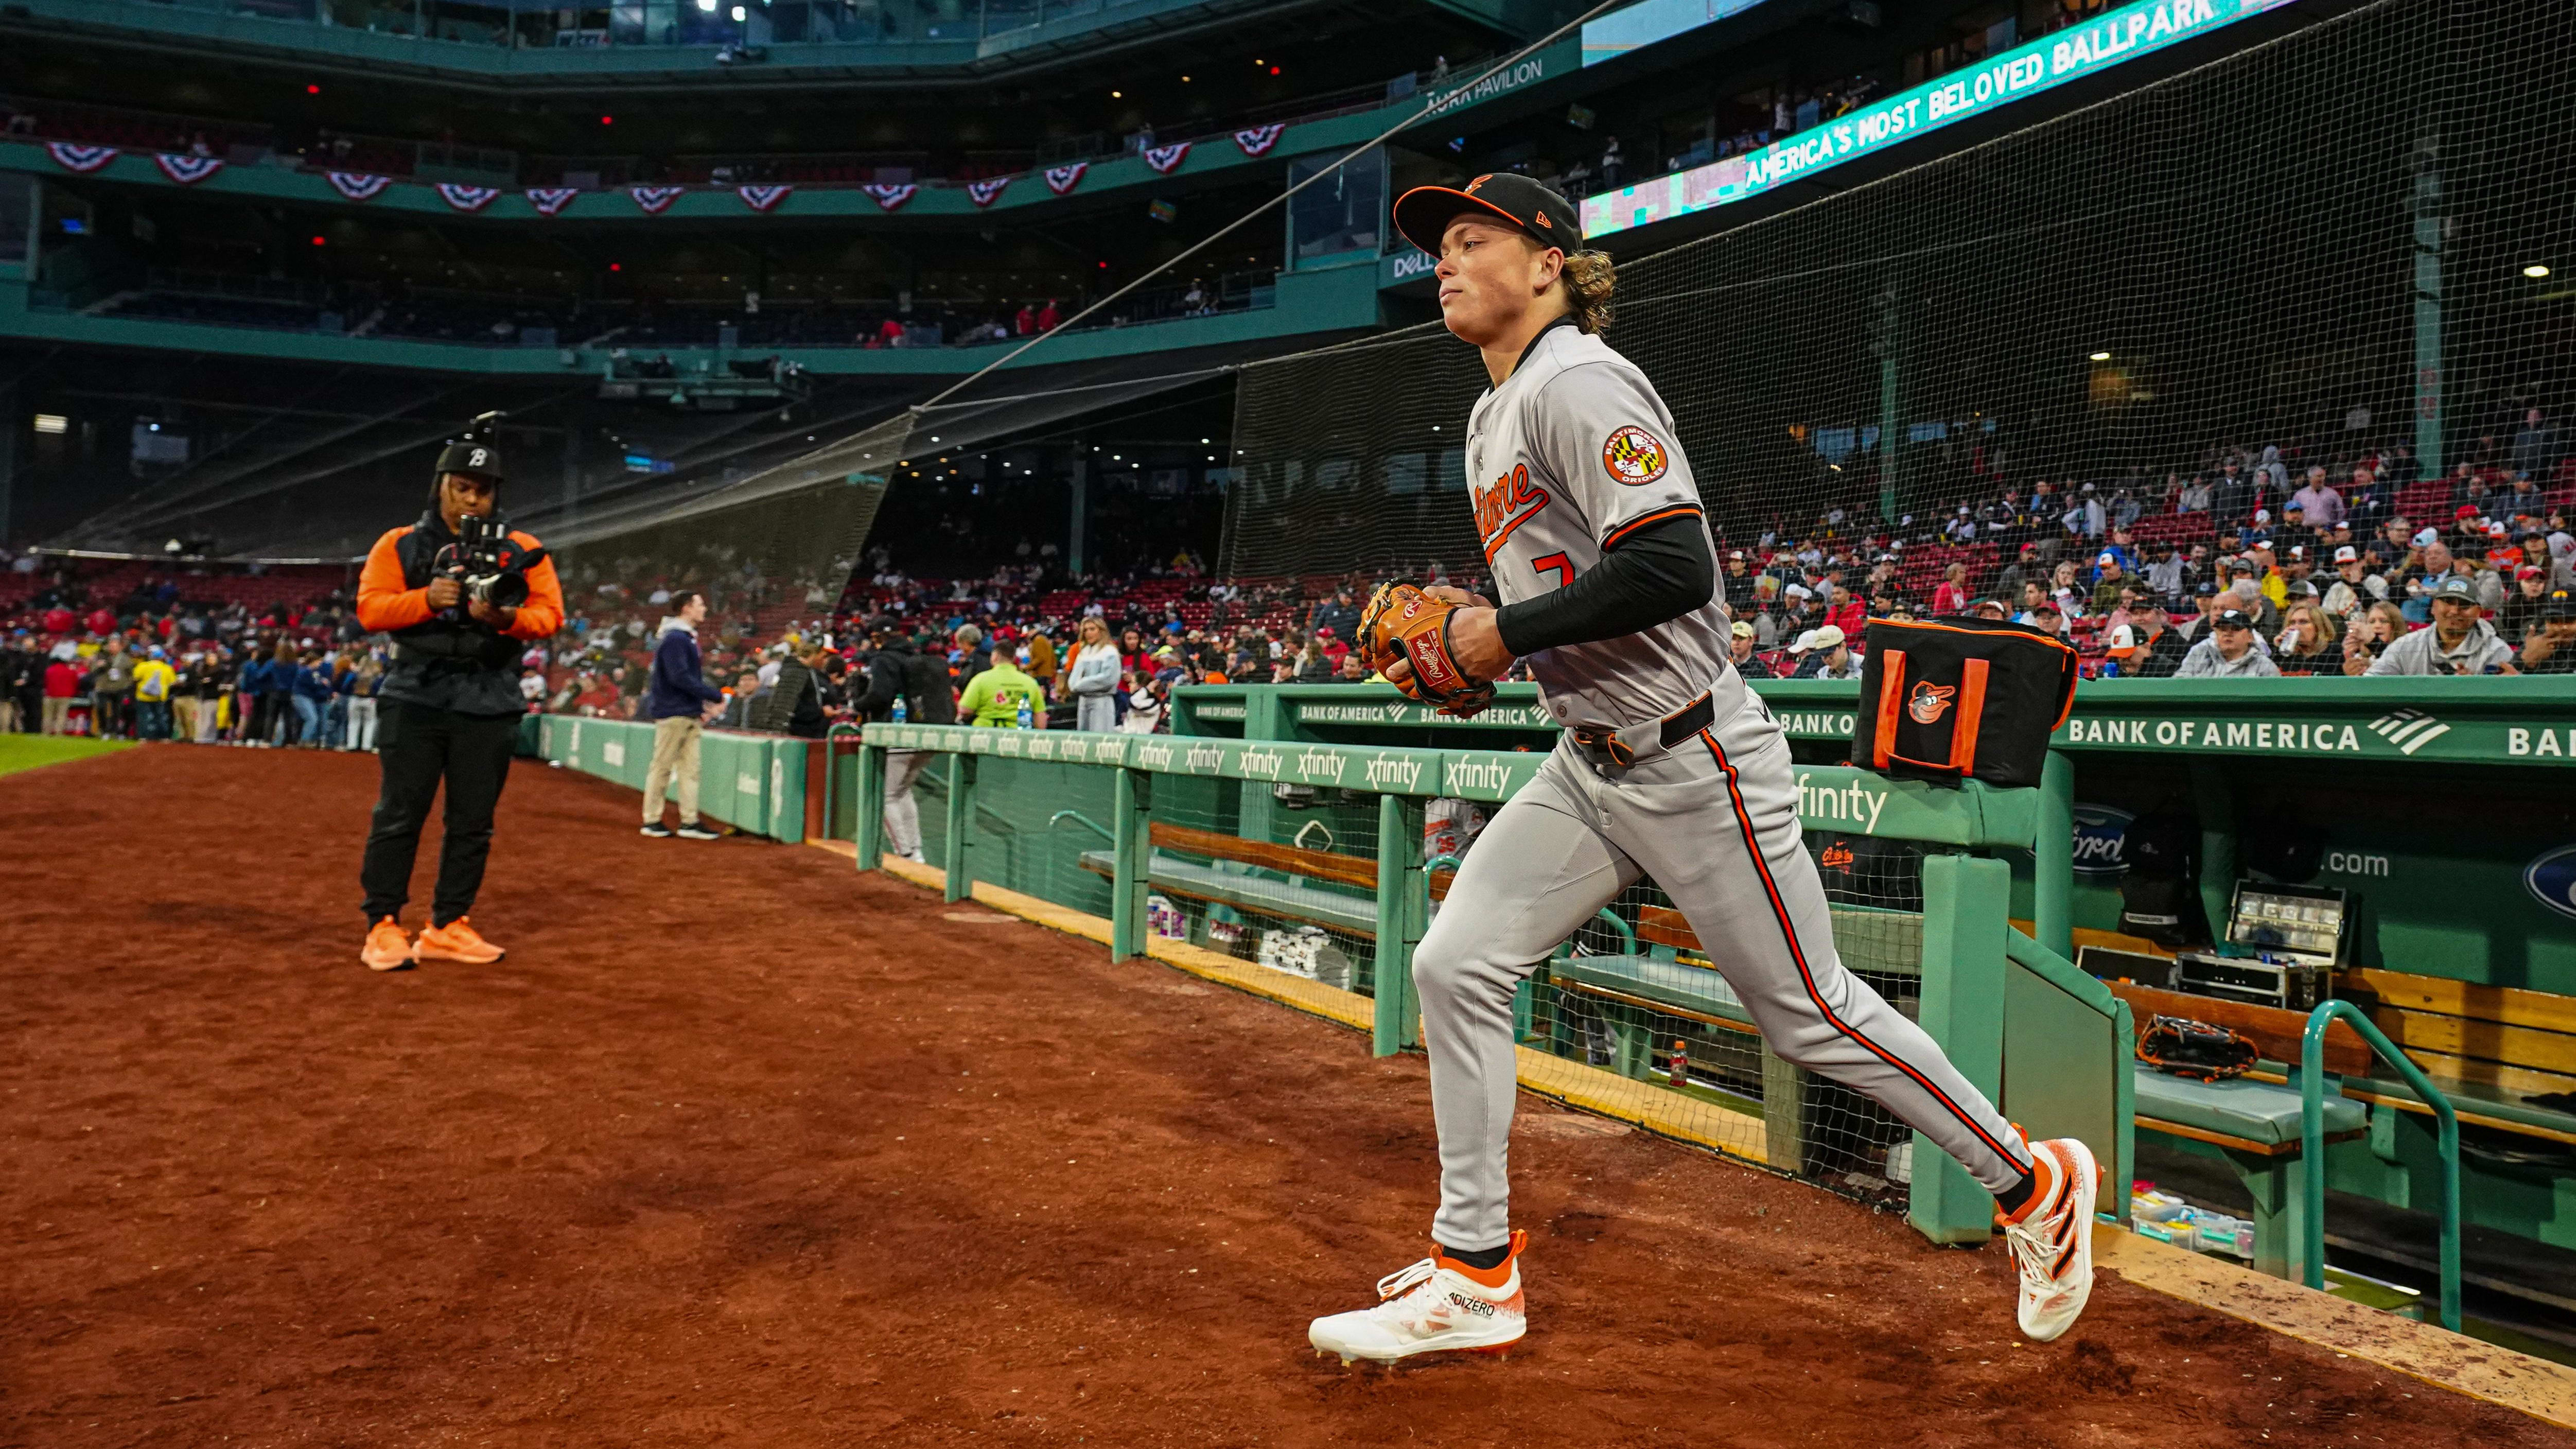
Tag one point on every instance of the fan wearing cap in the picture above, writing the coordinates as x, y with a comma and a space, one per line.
2356, 585
2461, 641
1826, 655
448, 709
2551, 649
2231, 651
1668, 767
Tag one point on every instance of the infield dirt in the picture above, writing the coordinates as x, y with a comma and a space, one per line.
738, 1147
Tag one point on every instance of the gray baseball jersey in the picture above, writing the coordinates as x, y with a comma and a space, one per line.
1569, 455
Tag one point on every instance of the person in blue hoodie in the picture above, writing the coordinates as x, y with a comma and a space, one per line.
679, 701
312, 699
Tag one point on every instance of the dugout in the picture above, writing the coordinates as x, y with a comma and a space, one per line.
2445, 810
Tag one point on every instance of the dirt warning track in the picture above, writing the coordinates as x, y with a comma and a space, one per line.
740, 1148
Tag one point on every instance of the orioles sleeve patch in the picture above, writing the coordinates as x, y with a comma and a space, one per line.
1633, 456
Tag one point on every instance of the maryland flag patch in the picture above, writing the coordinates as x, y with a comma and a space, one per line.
1634, 456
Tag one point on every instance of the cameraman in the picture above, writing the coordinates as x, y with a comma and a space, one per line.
449, 705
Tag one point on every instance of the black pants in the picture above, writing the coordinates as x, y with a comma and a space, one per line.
417, 747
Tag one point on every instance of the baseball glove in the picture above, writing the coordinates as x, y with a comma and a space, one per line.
2182, 1047
1404, 623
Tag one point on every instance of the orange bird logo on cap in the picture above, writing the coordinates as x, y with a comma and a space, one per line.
1479, 181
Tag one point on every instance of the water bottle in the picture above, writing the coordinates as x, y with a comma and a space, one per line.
1027, 720
899, 712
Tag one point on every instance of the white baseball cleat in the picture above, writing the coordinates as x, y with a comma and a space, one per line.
1438, 1305
2052, 1242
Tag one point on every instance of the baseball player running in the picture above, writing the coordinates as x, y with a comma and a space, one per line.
1668, 767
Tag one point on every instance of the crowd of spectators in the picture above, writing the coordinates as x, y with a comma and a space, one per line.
2256, 564
2260, 561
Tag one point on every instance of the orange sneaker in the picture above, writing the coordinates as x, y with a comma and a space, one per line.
456, 941
387, 948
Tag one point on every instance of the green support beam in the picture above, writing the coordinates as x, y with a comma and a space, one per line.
1965, 906
961, 826
1403, 910
871, 831
1131, 852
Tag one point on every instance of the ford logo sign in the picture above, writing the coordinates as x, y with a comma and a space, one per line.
2551, 879
2102, 840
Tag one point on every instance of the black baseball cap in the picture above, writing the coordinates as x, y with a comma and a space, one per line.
2232, 619
474, 457
1423, 213
2558, 604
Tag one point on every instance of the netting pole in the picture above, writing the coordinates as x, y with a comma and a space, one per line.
2053, 857
961, 826
1967, 901
1403, 909
2430, 219
1131, 845
871, 831
1887, 343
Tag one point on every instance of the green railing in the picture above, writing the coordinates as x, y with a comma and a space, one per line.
2312, 1160
1985, 992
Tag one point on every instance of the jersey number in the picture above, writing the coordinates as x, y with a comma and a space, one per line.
1557, 562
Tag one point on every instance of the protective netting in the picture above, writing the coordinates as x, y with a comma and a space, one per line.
1633, 994
2320, 244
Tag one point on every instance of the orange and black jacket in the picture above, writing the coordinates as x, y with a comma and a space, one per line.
445, 659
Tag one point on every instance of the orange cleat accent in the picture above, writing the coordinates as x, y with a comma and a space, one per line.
387, 948
457, 941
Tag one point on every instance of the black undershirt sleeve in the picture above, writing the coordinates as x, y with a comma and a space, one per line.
1657, 573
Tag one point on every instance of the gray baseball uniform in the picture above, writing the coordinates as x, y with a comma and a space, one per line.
1572, 451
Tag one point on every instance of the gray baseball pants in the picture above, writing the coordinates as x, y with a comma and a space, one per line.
1714, 820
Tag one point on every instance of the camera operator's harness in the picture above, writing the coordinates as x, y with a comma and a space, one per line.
490, 564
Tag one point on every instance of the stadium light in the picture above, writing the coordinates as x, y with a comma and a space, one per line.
737, 14
708, 6
52, 423
2535, 271
2101, 357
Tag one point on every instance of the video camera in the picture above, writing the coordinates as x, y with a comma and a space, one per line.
492, 566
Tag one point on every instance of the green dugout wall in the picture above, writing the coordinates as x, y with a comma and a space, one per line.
754, 783
2435, 802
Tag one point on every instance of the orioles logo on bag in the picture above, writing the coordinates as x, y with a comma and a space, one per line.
1929, 702
1634, 456
1836, 857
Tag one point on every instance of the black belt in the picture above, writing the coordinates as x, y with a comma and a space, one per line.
1618, 748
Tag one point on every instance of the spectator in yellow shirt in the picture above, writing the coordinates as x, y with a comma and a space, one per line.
994, 697
153, 679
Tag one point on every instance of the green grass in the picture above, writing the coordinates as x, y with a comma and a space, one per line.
26, 752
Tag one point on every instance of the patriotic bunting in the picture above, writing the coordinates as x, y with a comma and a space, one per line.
1164, 158
550, 199
186, 170
763, 198
466, 198
655, 199
73, 156
1061, 179
890, 197
1257, 140
982, 192
357, 185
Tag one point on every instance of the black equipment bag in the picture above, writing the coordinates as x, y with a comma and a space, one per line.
1961, 698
